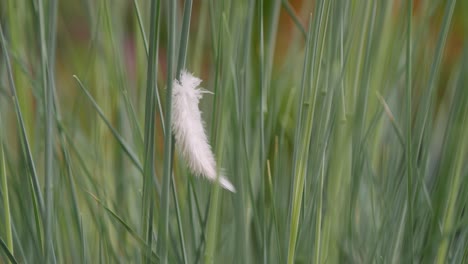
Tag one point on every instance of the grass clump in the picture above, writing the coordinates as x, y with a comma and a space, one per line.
341, 124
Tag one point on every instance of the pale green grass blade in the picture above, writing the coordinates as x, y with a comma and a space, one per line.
303, 134
215, 194
409, 132
24, 139
134, 234
5, 197
150, 109
456, 153
422, 118
141, 26
48, 86
114, 132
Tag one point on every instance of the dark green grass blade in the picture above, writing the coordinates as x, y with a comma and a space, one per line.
150, 110
7, 251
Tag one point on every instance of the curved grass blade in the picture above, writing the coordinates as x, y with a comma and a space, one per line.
114, 132
133, 233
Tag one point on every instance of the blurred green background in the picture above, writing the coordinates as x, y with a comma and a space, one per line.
342, 124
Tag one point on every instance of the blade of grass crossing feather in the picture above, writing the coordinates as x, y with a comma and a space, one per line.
409, 151
162, 248
5, 198
180, 66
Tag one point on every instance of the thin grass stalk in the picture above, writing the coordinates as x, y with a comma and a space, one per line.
148, 194
456, 146
294, 17
262, 105
213, 207
302, 154
162, 248
300, 113
38, 201
180, 66
125, 147
48, 58
5, 198
409, 154
141, 26
422, 120
18, 40
119, 74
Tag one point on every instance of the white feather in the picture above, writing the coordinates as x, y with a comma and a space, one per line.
189, 133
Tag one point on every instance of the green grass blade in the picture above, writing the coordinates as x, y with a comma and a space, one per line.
150, 108
114, 132
21, 124
48, 81
127, 227
162, 247
408, 141
7, 252
141, 26
294, 17
5, 198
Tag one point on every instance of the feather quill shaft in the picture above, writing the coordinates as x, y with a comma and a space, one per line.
189, 133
